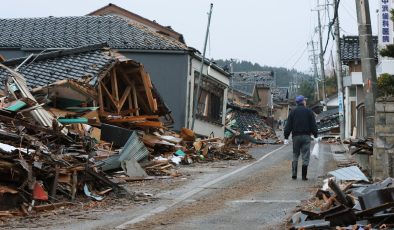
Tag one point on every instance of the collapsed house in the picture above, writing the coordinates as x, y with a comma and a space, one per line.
246, 125
68, 117
90, 76
58, 130
173, 67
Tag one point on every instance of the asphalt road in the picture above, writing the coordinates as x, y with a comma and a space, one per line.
260, 195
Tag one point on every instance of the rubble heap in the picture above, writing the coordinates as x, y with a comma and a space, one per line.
70, 118
248, 125
348, 202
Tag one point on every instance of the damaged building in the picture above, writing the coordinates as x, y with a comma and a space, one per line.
173, 67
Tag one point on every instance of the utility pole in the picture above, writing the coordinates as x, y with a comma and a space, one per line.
339, 70
368, 65
197, 94
321, 55
315, 74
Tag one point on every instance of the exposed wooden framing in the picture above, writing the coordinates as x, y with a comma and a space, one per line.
126, 93
114, 85
130, 100
109, 96
127, 112
100, 97
126, 79
148, 88
135, 99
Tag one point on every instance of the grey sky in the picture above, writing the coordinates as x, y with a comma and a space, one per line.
269, 32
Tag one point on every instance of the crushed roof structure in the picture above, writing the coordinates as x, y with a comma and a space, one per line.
43, 69
88, 65
350, 48
72, 32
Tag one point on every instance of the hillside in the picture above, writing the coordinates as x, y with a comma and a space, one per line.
283, 75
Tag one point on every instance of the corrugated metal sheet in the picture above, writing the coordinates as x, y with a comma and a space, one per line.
349, 173
133, 148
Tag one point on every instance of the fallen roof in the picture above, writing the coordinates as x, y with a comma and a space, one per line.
72, 32
46, 68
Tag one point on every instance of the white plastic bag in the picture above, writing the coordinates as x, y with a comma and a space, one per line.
315, 151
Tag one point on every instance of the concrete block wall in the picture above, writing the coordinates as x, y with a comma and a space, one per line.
382, 160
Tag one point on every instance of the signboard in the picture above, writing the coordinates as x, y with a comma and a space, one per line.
385, 33
340, 103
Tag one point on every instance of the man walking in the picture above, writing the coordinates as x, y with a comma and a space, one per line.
301, 123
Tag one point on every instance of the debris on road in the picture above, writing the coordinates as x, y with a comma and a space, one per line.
360, 146
348, 201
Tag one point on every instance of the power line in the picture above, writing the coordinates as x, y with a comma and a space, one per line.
348, 11
331, 24
302, 54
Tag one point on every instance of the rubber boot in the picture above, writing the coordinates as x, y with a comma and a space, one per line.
304, 172
294, 170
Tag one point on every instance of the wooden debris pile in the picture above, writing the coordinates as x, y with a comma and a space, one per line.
40, 168
169, 149
248, 126
360, 146
348, 201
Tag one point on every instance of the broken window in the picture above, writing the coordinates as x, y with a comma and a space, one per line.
210, 99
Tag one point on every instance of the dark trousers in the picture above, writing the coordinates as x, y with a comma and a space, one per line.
301, 146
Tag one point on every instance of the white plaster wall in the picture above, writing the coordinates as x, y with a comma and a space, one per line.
203, 127
206, 128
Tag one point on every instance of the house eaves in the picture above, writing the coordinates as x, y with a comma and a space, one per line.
193, 52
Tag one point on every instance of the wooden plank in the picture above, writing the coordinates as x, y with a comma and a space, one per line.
54, 185
133, 119
153, 124
130, 101
114, 103
135, 99
148, 88
114, 85
126, 93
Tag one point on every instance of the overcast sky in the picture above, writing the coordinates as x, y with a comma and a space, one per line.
269, 32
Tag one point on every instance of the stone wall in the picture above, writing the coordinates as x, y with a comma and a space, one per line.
383, 153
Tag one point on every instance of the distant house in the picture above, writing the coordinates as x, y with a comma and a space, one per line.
243, 94
353, 82
269, 99
173, 67
281, 102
